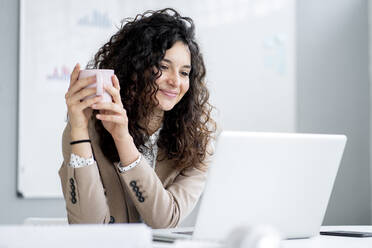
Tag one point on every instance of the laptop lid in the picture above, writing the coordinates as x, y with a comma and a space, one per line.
278, 179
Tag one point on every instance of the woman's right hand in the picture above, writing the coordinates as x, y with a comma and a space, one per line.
79, 110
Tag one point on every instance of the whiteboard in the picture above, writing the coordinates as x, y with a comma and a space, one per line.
249, 51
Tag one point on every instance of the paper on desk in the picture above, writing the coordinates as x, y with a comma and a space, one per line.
92, 236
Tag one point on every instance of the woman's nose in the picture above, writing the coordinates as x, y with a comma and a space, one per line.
174, 79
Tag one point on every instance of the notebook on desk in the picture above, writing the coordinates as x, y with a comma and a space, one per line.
279, 179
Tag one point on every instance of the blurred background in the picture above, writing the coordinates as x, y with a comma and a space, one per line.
273, 65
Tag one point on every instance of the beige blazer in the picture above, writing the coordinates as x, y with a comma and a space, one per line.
99, 193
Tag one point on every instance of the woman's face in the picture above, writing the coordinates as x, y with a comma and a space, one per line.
174, 81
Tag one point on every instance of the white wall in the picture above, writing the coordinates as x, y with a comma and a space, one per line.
370, 88
333, 95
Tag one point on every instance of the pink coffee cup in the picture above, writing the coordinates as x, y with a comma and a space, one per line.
103, 78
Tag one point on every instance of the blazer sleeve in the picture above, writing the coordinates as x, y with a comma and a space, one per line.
82, 189
162, 207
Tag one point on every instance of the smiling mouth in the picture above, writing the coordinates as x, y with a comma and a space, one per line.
169, 94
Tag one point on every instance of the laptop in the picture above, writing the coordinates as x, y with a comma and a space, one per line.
283, 180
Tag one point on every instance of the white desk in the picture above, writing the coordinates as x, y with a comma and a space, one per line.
140, 236
320, 241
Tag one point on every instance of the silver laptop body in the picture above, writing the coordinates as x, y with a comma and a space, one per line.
279, 179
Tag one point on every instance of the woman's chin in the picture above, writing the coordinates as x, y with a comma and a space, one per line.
166, 107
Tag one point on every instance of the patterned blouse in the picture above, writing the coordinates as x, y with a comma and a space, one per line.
150, 149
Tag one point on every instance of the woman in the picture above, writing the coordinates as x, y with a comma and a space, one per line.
143, 156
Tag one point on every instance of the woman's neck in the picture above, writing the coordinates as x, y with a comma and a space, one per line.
156, 120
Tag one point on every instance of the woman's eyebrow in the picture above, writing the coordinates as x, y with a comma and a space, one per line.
170, 62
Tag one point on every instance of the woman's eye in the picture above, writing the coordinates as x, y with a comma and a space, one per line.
186, 74
163, 67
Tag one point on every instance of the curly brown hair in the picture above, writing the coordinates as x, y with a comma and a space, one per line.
133, 51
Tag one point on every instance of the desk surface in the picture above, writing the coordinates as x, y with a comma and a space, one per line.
323, 241
319, 241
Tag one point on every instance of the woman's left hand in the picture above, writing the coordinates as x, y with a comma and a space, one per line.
112, 114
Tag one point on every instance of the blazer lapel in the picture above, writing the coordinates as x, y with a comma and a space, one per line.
164, 168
